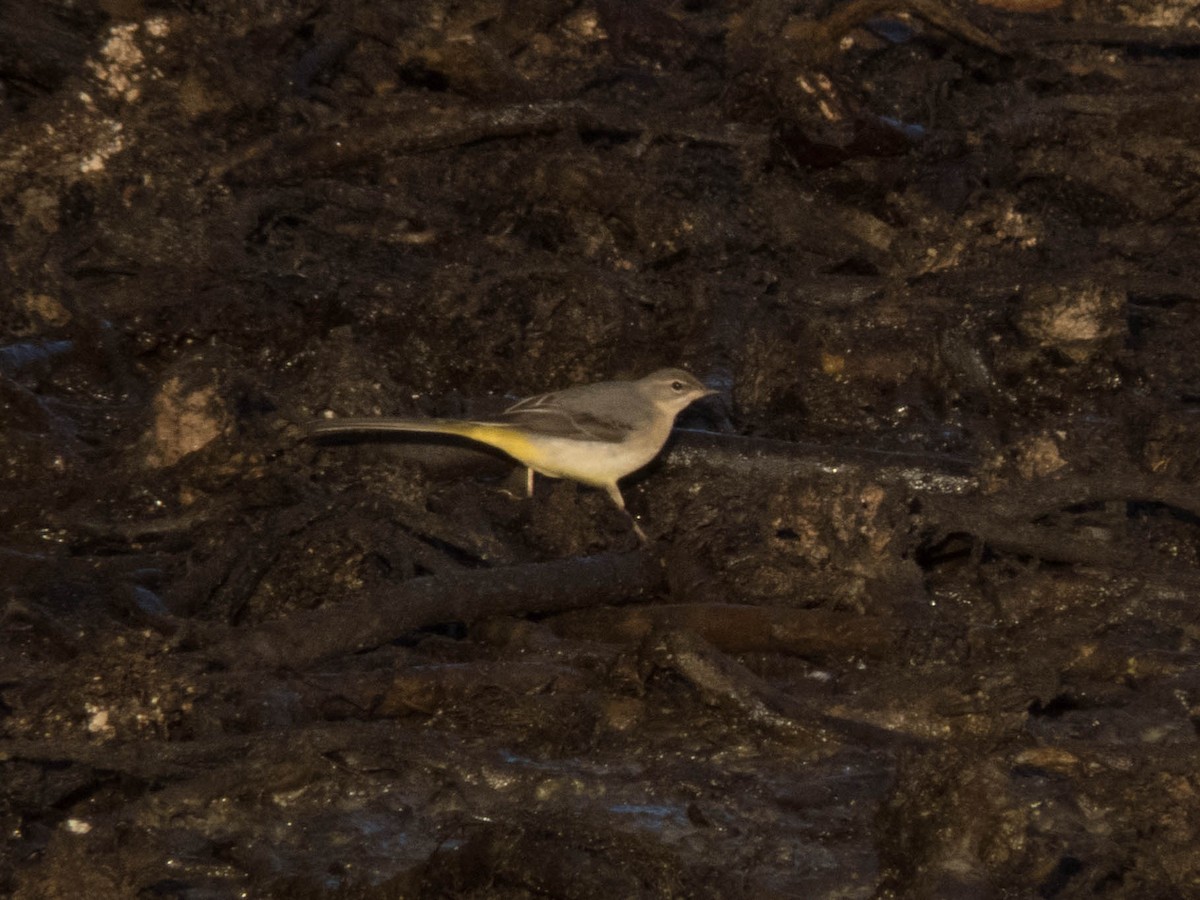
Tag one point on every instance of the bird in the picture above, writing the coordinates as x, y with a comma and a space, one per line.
595, 434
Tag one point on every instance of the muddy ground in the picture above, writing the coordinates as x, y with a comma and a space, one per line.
917, 617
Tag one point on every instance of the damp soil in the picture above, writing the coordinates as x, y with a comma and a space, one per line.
917, 613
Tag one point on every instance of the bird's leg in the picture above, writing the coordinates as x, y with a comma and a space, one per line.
529, 482
614, 494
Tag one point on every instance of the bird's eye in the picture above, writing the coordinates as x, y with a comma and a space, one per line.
677, 386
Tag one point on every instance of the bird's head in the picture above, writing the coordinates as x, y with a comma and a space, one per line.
673, 389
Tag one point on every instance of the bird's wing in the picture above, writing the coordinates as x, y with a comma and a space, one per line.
561, 414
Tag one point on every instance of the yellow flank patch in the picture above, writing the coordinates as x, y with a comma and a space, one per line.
597, 463
510, 440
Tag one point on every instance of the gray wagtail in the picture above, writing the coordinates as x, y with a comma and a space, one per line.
592, 433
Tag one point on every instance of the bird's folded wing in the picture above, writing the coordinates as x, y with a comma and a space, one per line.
556, 421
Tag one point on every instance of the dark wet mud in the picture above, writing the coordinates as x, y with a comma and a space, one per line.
918, 612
